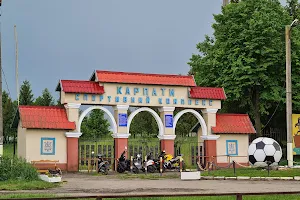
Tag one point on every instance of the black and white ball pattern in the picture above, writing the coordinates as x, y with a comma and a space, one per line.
264, 149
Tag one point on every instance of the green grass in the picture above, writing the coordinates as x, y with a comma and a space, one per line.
253, 172
13, 196
266, 197
13, 185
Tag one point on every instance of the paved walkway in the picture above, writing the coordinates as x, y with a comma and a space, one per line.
82, 184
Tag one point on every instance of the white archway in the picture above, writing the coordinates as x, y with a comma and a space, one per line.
111, 117
196, 114
153, 113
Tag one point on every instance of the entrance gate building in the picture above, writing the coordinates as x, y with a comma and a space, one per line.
122, 90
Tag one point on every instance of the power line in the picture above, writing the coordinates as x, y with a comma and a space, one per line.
274, 110
6, 83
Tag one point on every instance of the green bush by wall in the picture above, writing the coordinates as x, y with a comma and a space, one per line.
16, 169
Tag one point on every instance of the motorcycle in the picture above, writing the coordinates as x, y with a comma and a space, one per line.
123, 164
157, 161
174, 163
169, 162
103, 166
138, 164
150, 163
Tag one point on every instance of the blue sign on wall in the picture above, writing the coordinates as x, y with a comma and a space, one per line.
123, 119
232, 147
47, 146
169, 121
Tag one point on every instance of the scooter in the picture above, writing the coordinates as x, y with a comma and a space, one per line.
103, 166
157, 161
138, 164
150, 163
123, 164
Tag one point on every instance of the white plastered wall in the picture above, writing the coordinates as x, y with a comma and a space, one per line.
33, 145
243, 144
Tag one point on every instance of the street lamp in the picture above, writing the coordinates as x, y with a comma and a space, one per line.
288, 29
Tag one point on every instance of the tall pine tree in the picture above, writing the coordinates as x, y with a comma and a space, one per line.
46, 99
95, 126
26, 96
9, 112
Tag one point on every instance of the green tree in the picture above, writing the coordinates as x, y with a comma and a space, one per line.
95, 126
4, 97
246, 56
184, 124
58, 103
9, 112
293, 8
46, 99
143, 125
26, 96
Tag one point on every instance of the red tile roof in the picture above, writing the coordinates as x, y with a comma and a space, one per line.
207, 93
45, 117
233, 124
73, 86
141, 78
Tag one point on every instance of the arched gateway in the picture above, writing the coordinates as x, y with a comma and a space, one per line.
110, 116
51, 133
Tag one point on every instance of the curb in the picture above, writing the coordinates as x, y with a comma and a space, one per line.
287, 178
243, 178
219, 178
257, 178
273, 178
296, 178
230, 178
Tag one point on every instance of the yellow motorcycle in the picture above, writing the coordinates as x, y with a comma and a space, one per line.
172, 163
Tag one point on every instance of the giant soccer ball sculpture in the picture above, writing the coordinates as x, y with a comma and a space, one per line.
263, 150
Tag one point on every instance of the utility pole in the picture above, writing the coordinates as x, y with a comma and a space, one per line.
1, 106
288, 96
17, 65
289, 125
225, 2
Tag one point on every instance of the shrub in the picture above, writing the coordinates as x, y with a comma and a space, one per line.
16, 169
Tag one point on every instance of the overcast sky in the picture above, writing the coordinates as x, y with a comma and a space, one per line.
69, 39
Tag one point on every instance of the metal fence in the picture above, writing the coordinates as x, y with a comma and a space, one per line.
239, 196
278, 134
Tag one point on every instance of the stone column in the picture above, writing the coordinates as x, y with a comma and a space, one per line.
210, 145
167, 140
121, 137
72, 110
72, 151
210, 118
